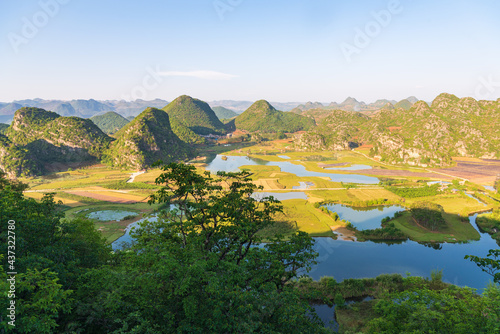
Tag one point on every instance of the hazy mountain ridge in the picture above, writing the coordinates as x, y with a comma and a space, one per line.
224, 113
109, 122
83, 108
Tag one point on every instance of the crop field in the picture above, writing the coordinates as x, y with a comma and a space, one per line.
79, 178
480, 171
308, 218
107, 195
97, 186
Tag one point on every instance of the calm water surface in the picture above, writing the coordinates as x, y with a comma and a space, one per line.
233, 163
347, 259
364, 218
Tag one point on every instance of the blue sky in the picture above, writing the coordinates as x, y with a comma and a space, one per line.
248, 49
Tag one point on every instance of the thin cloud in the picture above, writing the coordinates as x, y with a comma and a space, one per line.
208, 75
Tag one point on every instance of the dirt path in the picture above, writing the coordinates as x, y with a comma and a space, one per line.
133, 176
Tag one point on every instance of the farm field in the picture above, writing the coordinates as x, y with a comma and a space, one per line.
95, 186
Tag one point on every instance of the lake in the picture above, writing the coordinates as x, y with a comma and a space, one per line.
364, 218
347, 259
233, 163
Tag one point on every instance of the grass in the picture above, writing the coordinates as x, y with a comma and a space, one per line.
355, 318
308, 218
299, 214
456, 230
453, 203
72, 202
81, 178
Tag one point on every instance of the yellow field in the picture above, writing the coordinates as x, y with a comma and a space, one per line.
308, 218
65, 201
87, 185
371, 194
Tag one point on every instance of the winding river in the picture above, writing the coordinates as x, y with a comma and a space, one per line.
348, 259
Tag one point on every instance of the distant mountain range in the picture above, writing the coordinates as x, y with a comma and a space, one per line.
405, 132
351, 104
88, 108
82, 108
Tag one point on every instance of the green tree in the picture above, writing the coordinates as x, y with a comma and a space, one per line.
451, 310
201, 267
489, 264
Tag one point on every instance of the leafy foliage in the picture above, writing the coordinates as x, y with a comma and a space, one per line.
51, 255
3, 128
428, 215
414, 192
489, 264
199, 268
452, 310
184, 133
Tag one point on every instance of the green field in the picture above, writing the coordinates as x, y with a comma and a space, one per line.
456, 230
93, 186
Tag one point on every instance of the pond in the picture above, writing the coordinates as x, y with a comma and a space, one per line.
327, 315
233, 163
126, 238
474, 197
347, 259
108, 215
490, 188
304, 185
283, 156
364, 218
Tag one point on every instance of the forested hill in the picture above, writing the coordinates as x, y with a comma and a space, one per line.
49, 138
195, 114
422, 135
145, 140
109, 122
263, 117
224, 113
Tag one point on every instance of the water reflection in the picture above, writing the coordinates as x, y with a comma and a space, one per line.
364, 218
344, 259
233, 163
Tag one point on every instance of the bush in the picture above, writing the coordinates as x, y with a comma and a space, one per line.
339, 301
328, 282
